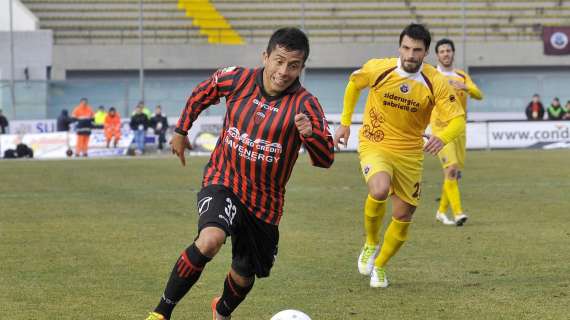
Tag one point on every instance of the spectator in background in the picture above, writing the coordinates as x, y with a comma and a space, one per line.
567, 111
139, 124
159, 123
555, 111
535, 109
99, 120
3, 123
145, 110
83, 114
112, 127
64, 121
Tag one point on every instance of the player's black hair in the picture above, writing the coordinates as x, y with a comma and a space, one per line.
444, 41
417, 31
292, 39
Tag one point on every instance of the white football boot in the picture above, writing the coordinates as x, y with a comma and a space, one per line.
442, 217
366, 259
461, 219
378, 278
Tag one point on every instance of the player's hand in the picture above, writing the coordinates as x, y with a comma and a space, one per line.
179, 144
434, 144
303, 125
341, 135
458, 85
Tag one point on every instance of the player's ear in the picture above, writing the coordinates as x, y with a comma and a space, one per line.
264, 57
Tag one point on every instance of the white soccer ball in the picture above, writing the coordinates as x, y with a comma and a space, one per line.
290, 315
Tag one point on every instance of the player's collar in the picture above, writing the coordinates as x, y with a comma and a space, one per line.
445, 72
405, 73
291, 89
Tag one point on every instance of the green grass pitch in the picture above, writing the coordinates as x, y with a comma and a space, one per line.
97, 239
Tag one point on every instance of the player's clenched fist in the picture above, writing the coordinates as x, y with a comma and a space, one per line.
303, 125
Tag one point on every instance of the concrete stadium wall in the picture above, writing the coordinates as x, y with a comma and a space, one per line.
32, 50
22, 18
340, 55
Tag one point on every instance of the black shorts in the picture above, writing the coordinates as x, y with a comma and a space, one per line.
254, 242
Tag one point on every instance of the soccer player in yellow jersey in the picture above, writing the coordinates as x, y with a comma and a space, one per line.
452, 156
403, 93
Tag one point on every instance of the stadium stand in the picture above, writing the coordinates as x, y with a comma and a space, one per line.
232, 21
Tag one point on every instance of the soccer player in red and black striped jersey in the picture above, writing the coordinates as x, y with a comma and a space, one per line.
269, 117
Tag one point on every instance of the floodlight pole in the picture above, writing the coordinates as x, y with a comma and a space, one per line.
464, 34
12, 76
141, 52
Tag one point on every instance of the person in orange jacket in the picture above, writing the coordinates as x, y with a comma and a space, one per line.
83, 114
112, 127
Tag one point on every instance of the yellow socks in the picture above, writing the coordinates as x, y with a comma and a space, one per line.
443, 201
374, 211
396, 235
452, 191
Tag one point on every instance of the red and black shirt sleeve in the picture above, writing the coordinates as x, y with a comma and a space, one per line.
207, 93
320, 144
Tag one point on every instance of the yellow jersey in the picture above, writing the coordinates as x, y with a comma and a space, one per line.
399, 104
436, 123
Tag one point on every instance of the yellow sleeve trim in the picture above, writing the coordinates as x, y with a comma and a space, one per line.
453, 130
351, 95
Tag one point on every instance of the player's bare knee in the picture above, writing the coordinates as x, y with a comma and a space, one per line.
379, 193
451, 173
403, 212
210, 241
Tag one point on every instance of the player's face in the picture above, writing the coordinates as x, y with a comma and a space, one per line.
412, 54
282, 68
445, 55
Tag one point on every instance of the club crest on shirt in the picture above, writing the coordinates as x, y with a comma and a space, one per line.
404, 88
452, 98
259, 117
366, 169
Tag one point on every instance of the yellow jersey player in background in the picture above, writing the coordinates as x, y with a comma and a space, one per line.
403, 93
452, 156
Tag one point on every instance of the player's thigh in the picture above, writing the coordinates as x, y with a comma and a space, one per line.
214, 218
406, 180
377, 167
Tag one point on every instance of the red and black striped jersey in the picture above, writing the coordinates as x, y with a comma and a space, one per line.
259, 142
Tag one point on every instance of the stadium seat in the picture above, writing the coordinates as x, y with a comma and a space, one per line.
235, 22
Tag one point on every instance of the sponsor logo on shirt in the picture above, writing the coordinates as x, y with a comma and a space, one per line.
265, 106
395, 101
250, 149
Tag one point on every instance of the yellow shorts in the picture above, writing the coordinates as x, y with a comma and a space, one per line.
453, 153
405, 170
